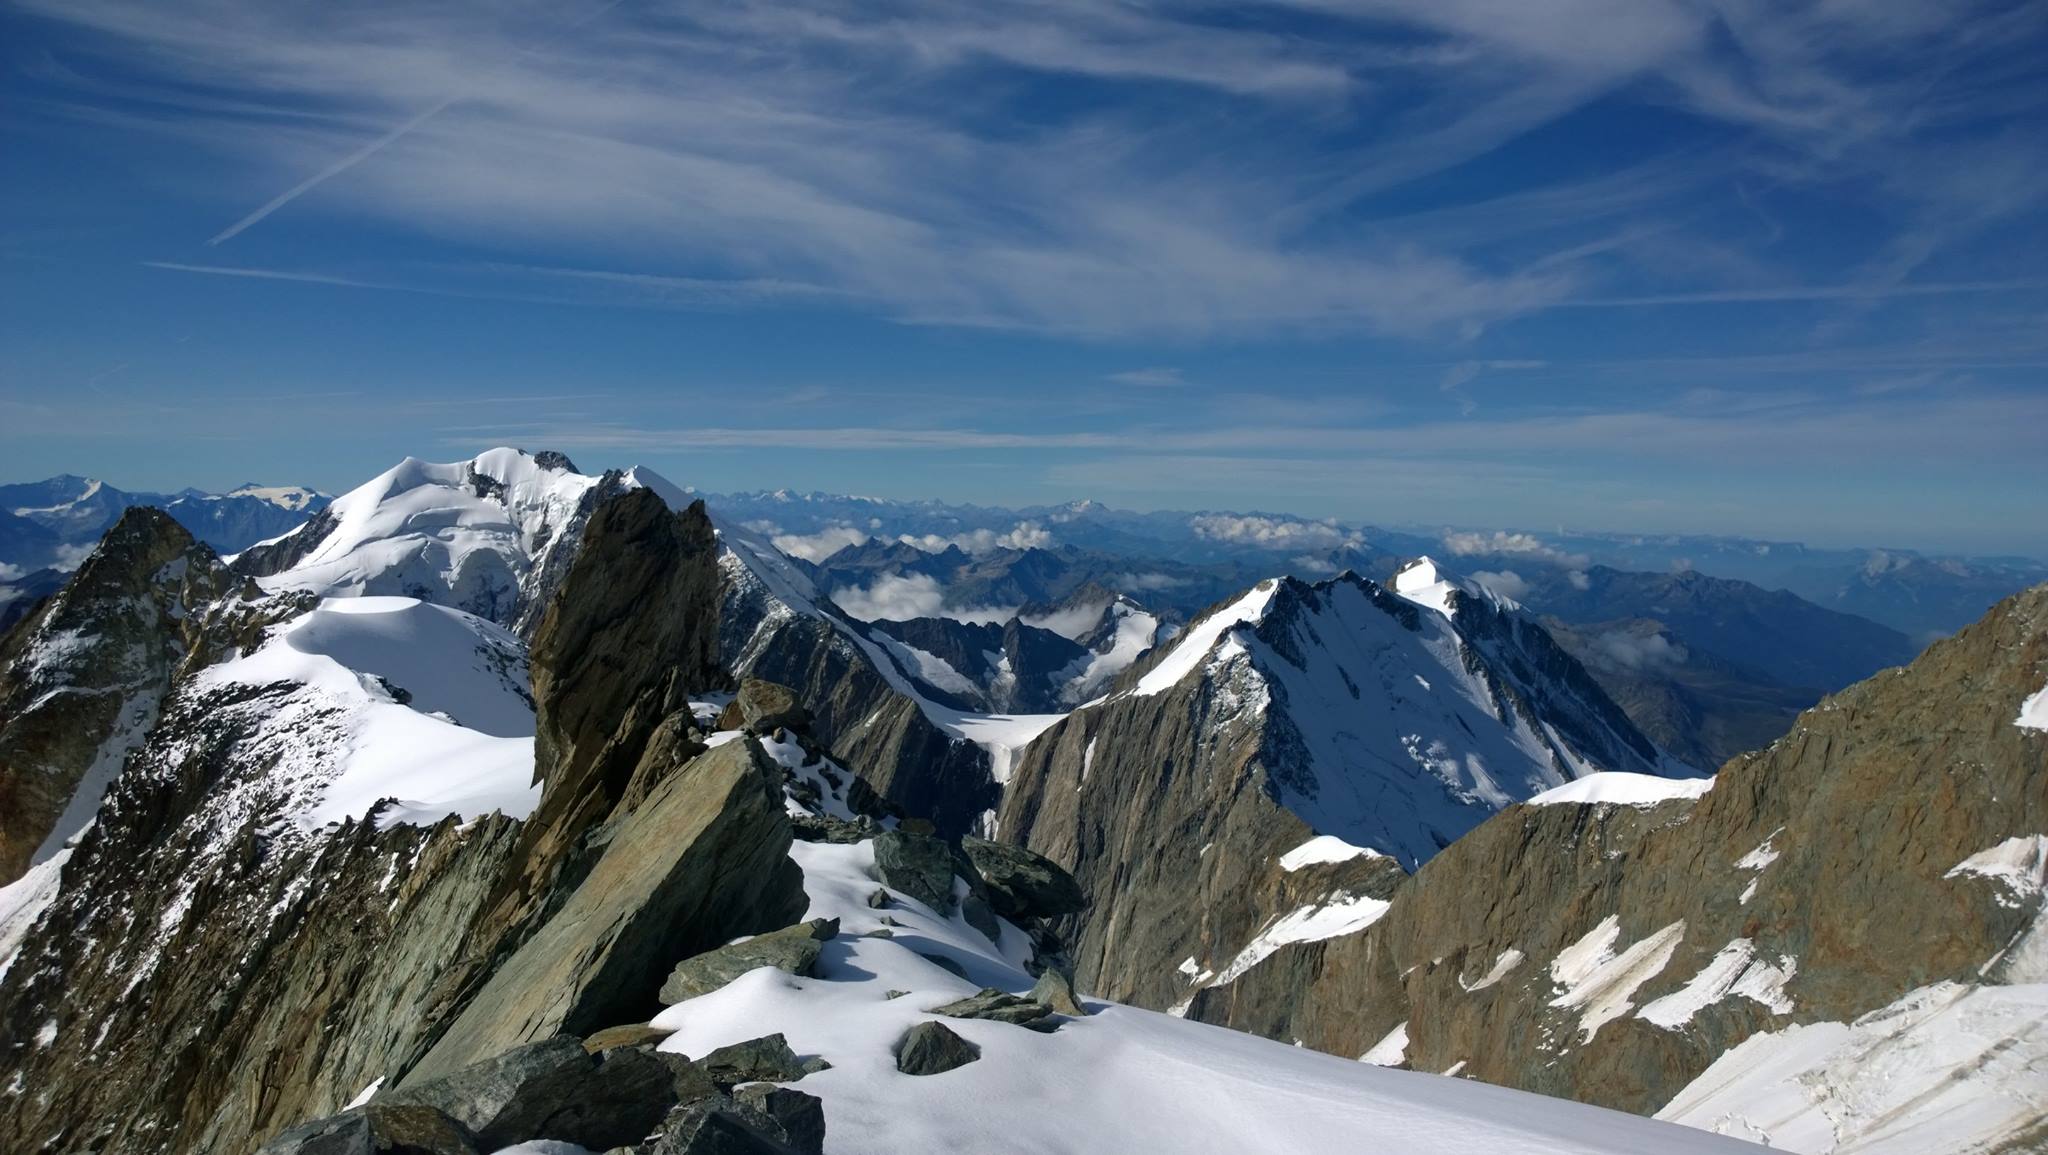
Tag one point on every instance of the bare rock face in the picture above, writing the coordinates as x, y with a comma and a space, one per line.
703, 860
82, 678
1610, 953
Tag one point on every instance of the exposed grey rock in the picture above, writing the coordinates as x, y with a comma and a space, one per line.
703, 859
766, 1058
1056, 990
632, 1035
557, 1090
763, 707
995, 1005
794, 949
979, 915
802, 1116
931, 1048
878, 898
377, 1129
718, 1126
1021, 883
919, 865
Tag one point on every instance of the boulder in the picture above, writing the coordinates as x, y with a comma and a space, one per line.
376, 1129
633, 1035
1055, 990
998, 1006
557, 1090
793, 949
1022, 884
802, 1116
919, 865
878, 899
767, 1058
717, 1126
931, 1048
763, 707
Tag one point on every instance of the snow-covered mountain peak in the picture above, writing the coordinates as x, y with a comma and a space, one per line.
288, 497
468, 534
1430, 585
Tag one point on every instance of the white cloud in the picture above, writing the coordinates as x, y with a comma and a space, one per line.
1507, 583
9, 573
901, 597
1579, 580
1023, 535
1641, 653
1276, 533
820, 545
1072, 622
1146, 581
1309, 563
1517, 544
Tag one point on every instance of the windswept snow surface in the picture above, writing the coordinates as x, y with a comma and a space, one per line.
1320, 849
1120, 1080
1947, 1067
463, 532
418, 702
1193, 646
1618, 788
23, 901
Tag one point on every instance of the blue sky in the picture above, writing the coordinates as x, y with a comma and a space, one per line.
1735, 266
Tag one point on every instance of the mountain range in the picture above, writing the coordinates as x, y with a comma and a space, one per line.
497, 803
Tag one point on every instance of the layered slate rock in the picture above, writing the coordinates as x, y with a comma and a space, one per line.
919, 865
704, 859
792, 950
83, 677
932, 1048
377, 1129
1022, 884
557, 1090
1610, 952
762, 707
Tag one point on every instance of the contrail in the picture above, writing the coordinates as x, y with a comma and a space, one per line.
371, 149
336, 169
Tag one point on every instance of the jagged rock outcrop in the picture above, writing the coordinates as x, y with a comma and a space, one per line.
1389, 723
82, 678
238, 970
1609, 953
703, 859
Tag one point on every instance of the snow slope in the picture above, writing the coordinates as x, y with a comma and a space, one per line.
1120, 1080
1946, 1067
394, 698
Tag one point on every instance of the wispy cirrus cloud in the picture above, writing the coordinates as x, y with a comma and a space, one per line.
931, 162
